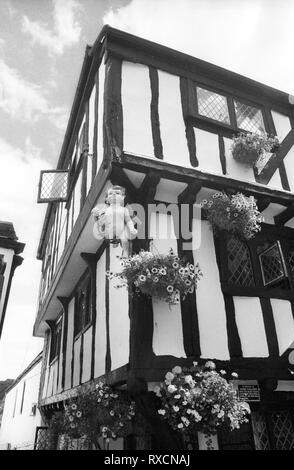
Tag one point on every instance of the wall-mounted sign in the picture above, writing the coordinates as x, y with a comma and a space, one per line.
249, 392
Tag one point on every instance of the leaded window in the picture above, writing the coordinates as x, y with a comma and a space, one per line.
272, 264
291, 263
240, 270
83, 306
283, 430
248, 117
213, 105
56, 339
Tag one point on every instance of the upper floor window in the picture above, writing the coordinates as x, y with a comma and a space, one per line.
248, 117
83, 306
263, 264
213, 105
56, 339
229, 111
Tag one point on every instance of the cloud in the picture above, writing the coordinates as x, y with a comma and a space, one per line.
25, 101
229, 33
65, 33
20, 169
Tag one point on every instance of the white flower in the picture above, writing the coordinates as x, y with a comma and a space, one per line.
177, 397
79, 414
142, 278
161, 412
235, 375
195, 363
73, 406
209, 365
169, 376
180, 425
177, 370
111, 413
171, 389
169, 288
71, 418
176, 408
222, 372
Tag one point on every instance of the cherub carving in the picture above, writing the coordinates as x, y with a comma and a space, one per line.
113, 221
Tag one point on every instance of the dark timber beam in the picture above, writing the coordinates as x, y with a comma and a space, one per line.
149, 185
263, 203
189, 195
284, 216
119, 177
278, 157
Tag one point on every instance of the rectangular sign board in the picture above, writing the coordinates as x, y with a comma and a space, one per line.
249, 392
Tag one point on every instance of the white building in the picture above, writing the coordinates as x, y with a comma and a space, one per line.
9, 260
21, 416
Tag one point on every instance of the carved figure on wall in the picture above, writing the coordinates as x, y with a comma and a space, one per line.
113, 221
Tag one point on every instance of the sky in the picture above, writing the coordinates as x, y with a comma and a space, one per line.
42, 46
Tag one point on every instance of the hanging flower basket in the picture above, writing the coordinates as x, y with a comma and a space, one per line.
200, 399
247, 148
237, 214
164, 277
104, 412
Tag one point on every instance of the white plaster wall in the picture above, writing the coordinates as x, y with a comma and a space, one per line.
271, 211
235, 169
289, 165
284, 323
60, 361
69, 344
119, 322
77, 350
54, 371
209, 298
168, 190
100, 145
92, 118
275, 181
100, 338
87, 355
172, 126
136, 99
20, 430
77, 196
250, 326
290, 223
8, 258
207, 151
62, 230
282, 124
167, 321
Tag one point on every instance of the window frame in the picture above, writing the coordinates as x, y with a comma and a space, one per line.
268, 234
228, 130
84, 284
56, 337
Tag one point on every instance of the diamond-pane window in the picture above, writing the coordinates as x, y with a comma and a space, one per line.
291, 263
272, 264
53, 186
248, 117
283, 430
213, 105
239, 263
260, 433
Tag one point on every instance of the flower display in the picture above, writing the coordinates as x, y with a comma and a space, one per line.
248, 147
200, 399
237, 214
103, 412
165, 277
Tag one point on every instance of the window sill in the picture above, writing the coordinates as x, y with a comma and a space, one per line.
274, 293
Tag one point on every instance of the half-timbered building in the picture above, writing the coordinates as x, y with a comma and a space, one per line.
160, 123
